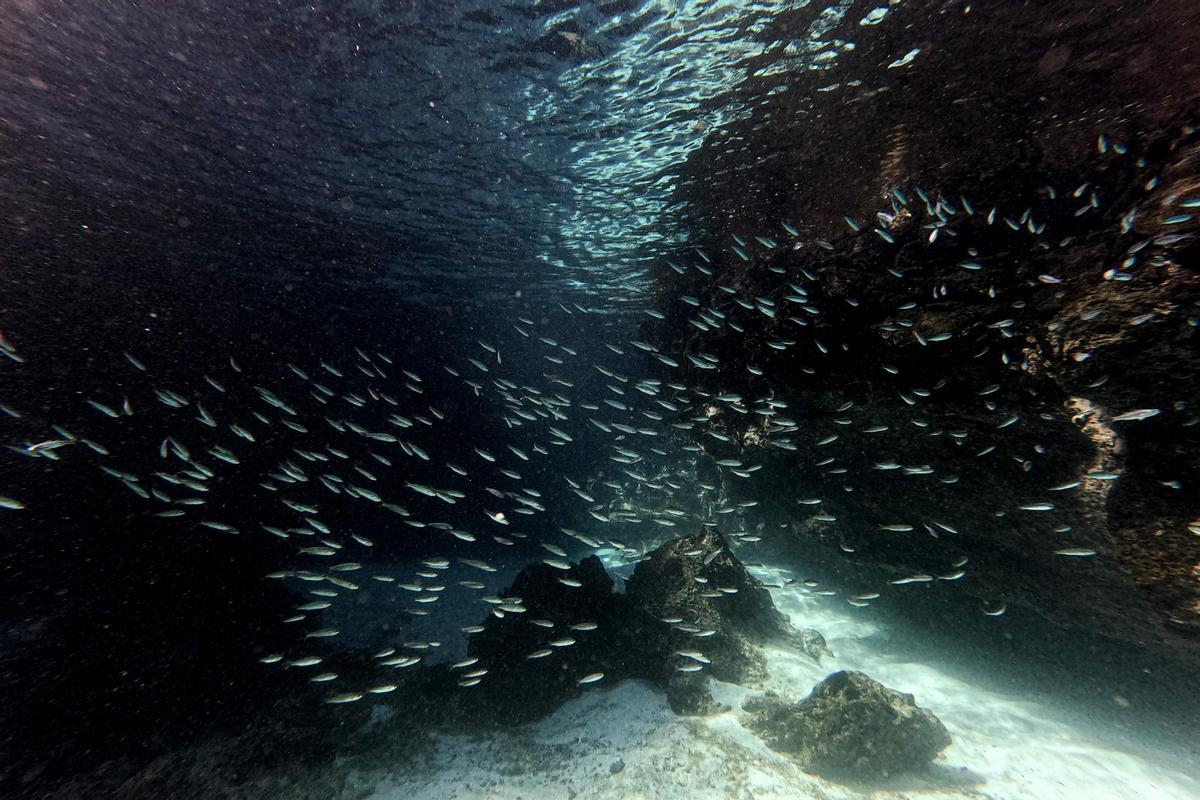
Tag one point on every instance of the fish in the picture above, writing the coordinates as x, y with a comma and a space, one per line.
1137, 415
103, 409
383, 688
305, 661
314, 606
345, 697
911, 579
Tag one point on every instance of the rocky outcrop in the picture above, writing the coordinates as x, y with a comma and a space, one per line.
850, 727
690, 610
1053, 252
698, 577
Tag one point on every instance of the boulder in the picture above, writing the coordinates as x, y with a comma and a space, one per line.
688, 694
851, 727
722, 619
697, 577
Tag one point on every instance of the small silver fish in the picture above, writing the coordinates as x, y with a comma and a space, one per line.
1137, 415
345, 697
306, 661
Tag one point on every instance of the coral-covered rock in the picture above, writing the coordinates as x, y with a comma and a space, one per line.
688, 694
690, 604
698, 575
1056, 277
851, 727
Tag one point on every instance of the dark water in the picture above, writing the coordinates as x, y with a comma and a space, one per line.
224, 190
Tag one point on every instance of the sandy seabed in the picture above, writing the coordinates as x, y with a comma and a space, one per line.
623, 741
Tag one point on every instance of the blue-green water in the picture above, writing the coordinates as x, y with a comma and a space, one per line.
325, 326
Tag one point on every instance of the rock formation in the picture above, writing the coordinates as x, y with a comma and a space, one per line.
1097, 310
723, 614
850, 727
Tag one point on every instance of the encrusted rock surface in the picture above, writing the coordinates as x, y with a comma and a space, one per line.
1042, 147
725, 616
851, 727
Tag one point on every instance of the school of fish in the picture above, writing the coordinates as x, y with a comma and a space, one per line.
364, 428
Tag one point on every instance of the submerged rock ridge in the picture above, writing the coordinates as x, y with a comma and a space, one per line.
850, 727
690, 610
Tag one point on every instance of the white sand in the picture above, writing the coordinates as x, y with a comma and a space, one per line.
1005, 748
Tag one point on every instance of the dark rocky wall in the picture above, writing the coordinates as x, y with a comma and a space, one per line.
1005, 105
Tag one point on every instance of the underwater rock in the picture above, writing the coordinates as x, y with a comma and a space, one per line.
288, 752
521, 686
697, 577
850, 727
539, 658
688, 694
1090, 304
